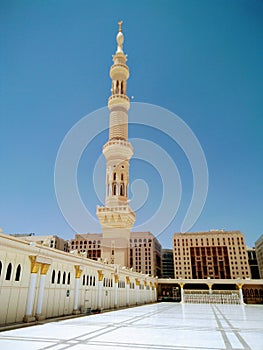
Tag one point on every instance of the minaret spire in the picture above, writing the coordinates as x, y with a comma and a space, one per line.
116, 217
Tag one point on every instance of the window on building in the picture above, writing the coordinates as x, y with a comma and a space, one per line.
1, 267
64, 278
18, 272
53, 276
68, 278
58, 280
8, 272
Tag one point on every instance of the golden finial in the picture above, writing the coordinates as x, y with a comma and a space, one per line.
120, 26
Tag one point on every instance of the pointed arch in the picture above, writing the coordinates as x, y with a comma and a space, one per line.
8, 272
53, 276
59, 275
18, 273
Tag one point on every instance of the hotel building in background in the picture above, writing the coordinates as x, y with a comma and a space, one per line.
259, 253
216, 254
167, 263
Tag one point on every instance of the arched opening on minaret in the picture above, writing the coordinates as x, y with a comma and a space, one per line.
122, 190
114, 189
114, 176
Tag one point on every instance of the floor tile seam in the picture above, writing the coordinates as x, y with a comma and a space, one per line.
222, 331
143, 316
66, 341
152, 346
237, 334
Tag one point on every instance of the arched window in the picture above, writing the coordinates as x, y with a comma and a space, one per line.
114, 176
114, 189
64, 278
83, 280
69, 278
1, 267
53, 276
94, 281
121, 190
58, 280
90, 280
122, 177
8, 272
18, 272
87, 280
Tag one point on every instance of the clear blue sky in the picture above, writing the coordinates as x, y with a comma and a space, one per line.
202, 60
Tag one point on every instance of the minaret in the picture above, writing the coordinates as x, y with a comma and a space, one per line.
116, 217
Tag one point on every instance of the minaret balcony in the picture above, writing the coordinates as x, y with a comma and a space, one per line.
119, 99
118, 148
119, 71
116, 216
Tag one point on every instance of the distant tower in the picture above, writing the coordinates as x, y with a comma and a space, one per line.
116, 217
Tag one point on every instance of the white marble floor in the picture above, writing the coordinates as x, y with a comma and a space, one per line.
163, 326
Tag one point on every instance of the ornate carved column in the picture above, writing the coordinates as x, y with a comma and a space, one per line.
78, 272
31, 291
43, 271
100, 281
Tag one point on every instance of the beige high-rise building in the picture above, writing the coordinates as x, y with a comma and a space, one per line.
259, 253
145, 253
116, 217
87, 244
51, 241
213, 254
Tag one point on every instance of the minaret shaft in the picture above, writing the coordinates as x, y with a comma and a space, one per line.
116, 217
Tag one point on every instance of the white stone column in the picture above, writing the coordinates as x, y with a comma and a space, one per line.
145, 292
78, 271
155, 291
100, 283
240, 293
182, 292
128, 290
137, 291
151, 292
31, 291
116, 281
210, 289
43, 271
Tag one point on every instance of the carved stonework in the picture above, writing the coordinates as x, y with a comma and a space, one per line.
100, 275
78, 271
44, 269
34, 264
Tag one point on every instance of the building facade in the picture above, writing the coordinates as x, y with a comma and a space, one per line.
145, 253
214, 254
259, 253
51, 241
253, 263
167, 263
144, 250
87, 244
39, 282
